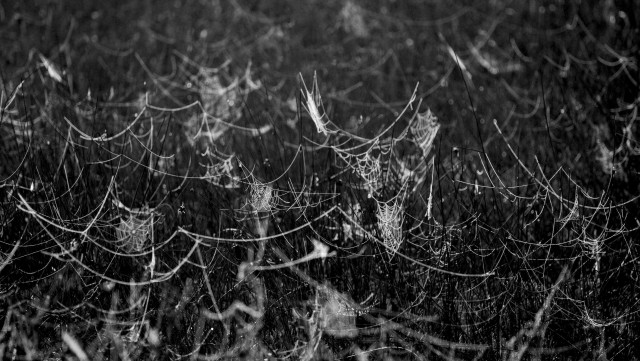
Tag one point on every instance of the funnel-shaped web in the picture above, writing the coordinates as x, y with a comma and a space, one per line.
424, 130
390, 217
367, 167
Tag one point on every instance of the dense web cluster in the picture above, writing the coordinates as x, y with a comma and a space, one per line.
212, 212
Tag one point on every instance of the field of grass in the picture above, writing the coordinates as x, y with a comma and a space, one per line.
319, 180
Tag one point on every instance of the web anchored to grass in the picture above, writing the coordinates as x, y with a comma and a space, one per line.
262, 197
424, 130
220, 169
368, 167
390, 218
135, 231
164, 218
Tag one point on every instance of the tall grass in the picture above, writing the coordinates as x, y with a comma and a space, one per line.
455, 182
